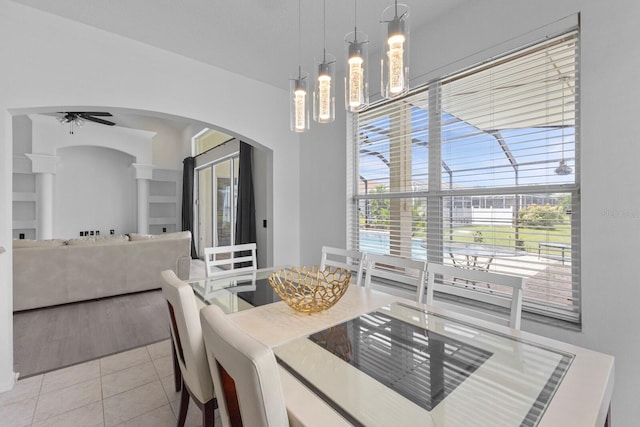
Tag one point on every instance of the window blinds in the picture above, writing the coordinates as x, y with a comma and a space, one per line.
480, 170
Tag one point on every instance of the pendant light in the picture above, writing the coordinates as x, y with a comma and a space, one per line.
563, 168
356, 82
324, 99
395, 63
299, 107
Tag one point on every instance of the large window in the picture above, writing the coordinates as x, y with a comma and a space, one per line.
481, 170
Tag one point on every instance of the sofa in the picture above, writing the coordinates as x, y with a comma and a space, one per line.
52, 272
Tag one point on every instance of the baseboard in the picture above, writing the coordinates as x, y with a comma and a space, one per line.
8, 384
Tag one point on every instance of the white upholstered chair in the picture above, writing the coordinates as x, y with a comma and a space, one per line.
186, 334
506, 292
343, 258
219, 257
244, 372
397, 269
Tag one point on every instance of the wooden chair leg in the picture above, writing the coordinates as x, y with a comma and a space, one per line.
208, 413
184, 406
177, 375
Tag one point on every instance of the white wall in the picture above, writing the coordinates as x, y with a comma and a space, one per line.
95, 189
103, 70
609, 157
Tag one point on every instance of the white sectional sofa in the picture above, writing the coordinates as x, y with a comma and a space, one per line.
52, 272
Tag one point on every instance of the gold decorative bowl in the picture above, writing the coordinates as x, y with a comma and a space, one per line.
310, 290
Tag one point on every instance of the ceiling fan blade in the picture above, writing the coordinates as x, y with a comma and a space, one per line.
97, 120
93, 113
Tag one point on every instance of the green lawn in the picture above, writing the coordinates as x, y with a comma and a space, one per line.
506, 236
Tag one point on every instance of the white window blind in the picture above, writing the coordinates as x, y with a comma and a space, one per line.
501, 142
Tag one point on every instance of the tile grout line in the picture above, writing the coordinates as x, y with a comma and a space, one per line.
104, 417
157, 379
35, 408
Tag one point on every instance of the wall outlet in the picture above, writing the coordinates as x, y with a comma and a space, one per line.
82, 234
112, 231
91, 232
164, 229
264, 223
86, 233
21, 236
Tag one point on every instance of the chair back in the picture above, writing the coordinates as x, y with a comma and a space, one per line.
186, 334
219, 257
501, 290
343, 258
244, 372
404, 270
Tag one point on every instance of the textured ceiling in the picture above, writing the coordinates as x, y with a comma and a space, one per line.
254, 38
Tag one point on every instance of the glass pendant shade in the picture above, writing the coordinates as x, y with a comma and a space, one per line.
299, 117
356, 86
324, 98
395, 60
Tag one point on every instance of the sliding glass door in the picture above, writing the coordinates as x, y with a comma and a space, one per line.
217, 195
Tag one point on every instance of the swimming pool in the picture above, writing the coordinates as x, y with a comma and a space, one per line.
377, 242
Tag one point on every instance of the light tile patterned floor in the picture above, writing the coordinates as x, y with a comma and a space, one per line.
133, 388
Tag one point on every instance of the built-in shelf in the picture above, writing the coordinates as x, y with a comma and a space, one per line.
24, 197
160, 221
164, 201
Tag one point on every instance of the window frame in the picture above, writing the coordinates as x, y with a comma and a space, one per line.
434, 194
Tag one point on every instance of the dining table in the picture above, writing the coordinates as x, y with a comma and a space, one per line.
377, 359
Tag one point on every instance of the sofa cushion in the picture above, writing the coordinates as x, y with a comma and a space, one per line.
135, 237
27, 243
112, 239
81, 241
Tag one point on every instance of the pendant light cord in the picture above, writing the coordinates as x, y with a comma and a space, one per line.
324, 31
355, 20
299, 39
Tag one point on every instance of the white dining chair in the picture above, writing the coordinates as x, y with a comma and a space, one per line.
186, 335
244, 371
506, 292
397, 269
219, 260
349, 259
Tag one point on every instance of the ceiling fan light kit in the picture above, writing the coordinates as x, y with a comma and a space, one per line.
78, 118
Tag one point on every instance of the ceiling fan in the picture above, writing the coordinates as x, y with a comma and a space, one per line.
77, 118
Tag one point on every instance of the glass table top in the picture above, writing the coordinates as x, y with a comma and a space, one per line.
403, 365
236, 292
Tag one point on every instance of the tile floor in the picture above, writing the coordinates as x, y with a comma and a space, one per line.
133, 388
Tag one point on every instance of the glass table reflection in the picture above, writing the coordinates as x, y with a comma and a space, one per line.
236, 292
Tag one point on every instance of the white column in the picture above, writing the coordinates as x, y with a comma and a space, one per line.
143, 174
44, 206
44, 166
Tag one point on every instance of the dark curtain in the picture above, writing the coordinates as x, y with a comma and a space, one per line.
246, 209
187, 200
